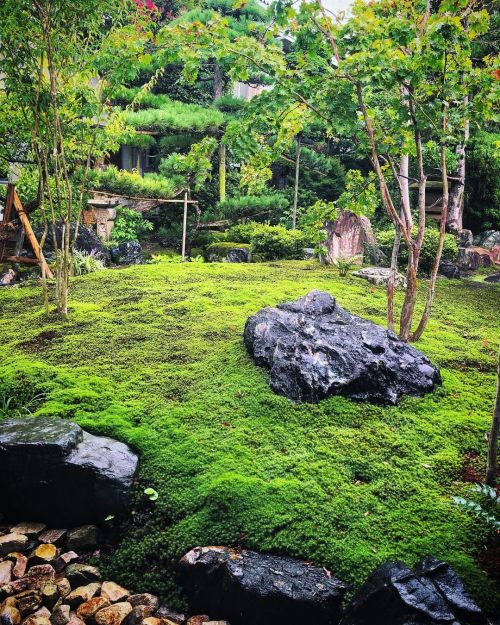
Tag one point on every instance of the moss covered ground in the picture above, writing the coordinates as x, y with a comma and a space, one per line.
153, 355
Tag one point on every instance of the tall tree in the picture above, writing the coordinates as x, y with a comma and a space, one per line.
58, 65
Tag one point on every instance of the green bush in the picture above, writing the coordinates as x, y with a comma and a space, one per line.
129, 224
129, 183
275, 242
220, 250
385, 240
242, 233
204, 238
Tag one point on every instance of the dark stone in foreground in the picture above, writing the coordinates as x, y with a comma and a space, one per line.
394, 595
314, 348
52, 470
127, 253
494, 278
248, 588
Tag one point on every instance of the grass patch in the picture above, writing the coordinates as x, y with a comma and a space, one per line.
153, 355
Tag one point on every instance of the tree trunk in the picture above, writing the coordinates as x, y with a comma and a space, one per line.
218, 81
392, 279
222, 171
491, 470
296, 187
456, 201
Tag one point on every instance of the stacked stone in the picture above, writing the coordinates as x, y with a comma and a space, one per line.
43, 581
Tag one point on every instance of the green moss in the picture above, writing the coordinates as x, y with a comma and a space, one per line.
153, 355
221, 249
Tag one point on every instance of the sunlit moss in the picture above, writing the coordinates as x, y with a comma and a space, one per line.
153, 355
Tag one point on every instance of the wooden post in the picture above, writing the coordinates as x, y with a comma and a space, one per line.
184, 226
296, 188
222, 171
30, 234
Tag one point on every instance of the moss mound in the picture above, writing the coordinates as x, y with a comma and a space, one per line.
153, 355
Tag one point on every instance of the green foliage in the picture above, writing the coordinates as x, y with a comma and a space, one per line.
151, 493
86, 262
276, 242
344, 265
194, 167
129, 225
313, 223
174, 117
133, 184
242, 233
482, 184
385, 239
221, 249
487, 510
279, 477
268, 206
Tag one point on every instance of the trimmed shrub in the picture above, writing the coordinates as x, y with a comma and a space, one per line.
242, 233
221, 250
249, 205
385, 240
276, 242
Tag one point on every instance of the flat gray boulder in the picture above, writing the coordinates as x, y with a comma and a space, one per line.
53, 471
380, 276
314, 348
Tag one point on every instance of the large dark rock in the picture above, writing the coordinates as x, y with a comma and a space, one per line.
54, 471
487, 239
494, 278
127, 253
314, 348
248, 588
431, 595
86, 241
473, 258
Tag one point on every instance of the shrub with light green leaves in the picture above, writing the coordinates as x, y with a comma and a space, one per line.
276, 242
385, 239
129, 224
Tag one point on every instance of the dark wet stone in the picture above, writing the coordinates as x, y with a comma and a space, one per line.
395, 595
494, 278
86, 241
52, 470
127, 253
314, 348
82, 574
246, 588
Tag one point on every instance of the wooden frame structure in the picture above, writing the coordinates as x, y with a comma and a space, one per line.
9, 234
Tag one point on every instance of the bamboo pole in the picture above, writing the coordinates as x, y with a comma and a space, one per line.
184, 226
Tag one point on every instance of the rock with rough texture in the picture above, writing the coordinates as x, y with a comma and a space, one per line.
82, 574
494, 278
46, 552
83, 537
472, 258
114, 592
127, 253
7, 278
82, 594
28, 601
487, 239
380, 276
451, 270
60, 615
138, 614
6, 571
11, 542
227, 254
314, 348
10, 615
20, 563
465, 238
29, 529
54, 537
247, 588
87, 610
52, 469
395, 595
166, 614
145, 598
86, 241
351, 235
114, 615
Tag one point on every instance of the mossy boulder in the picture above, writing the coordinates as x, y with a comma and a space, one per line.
229, 252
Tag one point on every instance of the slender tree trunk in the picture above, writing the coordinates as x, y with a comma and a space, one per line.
218, 81
457, 187
491, 470
296, 187
392, 279
222, 171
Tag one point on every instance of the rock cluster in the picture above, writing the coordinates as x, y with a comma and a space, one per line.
314, 348
380, 276
65, 474
43, 581
127, 253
